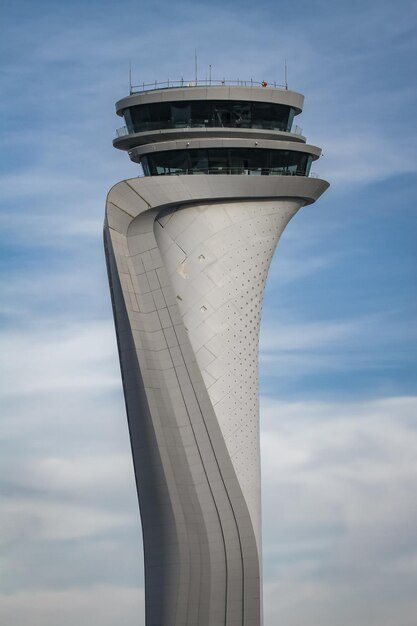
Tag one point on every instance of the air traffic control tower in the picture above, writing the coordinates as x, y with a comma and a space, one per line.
188, 248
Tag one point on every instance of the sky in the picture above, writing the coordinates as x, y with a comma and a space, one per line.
338, 339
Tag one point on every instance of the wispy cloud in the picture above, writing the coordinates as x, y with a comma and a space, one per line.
338, 517
374, 341
104, 604
71, 358
339, 476
352, 156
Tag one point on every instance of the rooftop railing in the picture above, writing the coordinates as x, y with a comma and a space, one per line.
207, 82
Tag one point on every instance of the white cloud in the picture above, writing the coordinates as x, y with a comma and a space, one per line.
371, 341
291, 268
36, 520
339, 516
364, 157
339, 511
307, 336
81, 474
101, 604
71, 358
51, 230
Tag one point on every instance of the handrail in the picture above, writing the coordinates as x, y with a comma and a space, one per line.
207, 82
123, 131
261, 171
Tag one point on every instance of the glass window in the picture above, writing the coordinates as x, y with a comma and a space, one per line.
145, 165
201, 113
127, 114
208, 113
242, 114
199, 160
172, 162
221, 114
290, 162
271, 116
180, 114
254, 161
258, 161
141, 117
218, 160
290, 119
279, 161
159, 115
239, 162
299, 167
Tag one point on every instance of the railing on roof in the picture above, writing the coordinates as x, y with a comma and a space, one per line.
207, 82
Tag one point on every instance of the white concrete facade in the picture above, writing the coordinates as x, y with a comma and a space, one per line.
188, 258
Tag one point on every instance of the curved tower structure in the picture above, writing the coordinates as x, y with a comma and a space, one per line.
188, 248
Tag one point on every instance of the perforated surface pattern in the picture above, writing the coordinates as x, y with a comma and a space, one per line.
217, 257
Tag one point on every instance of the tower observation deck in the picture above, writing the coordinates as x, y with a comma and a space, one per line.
188, 248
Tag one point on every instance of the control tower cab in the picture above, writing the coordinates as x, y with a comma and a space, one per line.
215, 130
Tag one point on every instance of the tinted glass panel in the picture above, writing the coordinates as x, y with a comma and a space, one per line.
218, 160
228, 161
208, 113
145, 164
290, 119
199, 160
180, 114
201, 113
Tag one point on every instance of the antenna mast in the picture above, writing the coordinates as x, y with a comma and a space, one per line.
130, 77
285, 73
195, 65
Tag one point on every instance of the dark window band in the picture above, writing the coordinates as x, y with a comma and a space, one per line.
209, 114
227, 161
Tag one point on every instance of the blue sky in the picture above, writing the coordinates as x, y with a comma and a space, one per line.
338, 342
